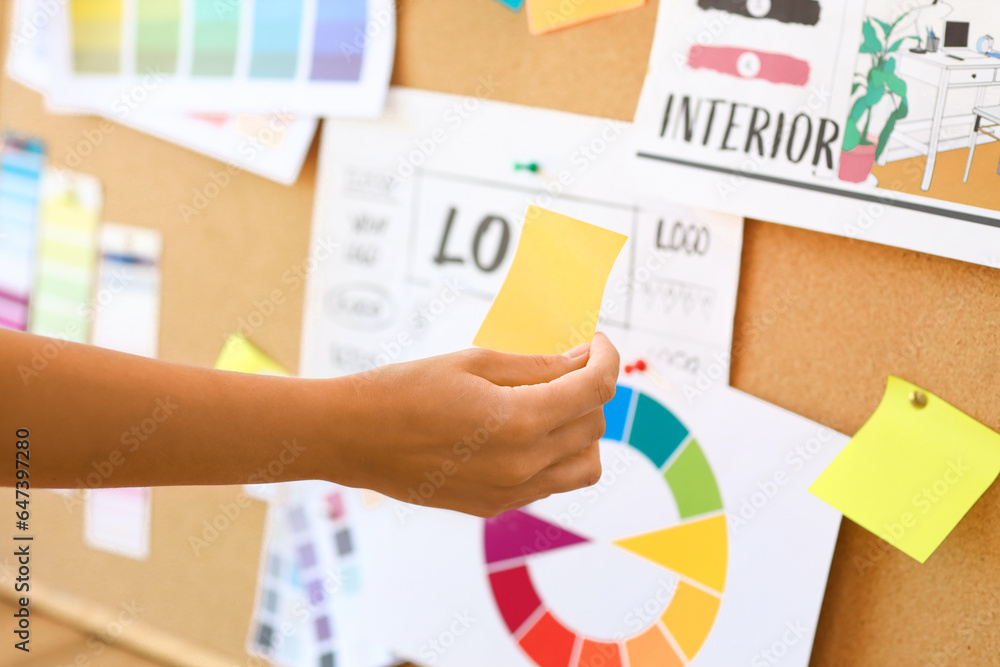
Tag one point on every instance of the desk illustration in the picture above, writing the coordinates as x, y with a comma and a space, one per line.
947, 71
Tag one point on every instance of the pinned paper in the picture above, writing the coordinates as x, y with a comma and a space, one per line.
548, 15
67, 255
128, 290
913, 470
551, 297
118, 521
239, 354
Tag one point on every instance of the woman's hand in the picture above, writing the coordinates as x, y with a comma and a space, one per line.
477, 431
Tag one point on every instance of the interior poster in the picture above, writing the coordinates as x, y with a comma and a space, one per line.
872, 119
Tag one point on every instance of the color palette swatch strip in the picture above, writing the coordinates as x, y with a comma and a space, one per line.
67, 256
696, 550
311, 561
329, 45
21, 162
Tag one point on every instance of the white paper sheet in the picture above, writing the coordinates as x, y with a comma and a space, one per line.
118, 521
126, 305
746, 106
431, 593
273, 146
418, 213
392, 279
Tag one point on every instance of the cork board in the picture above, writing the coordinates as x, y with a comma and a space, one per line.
821, 321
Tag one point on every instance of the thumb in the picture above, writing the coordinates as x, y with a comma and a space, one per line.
514, 370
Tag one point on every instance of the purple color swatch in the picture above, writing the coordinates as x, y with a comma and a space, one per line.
517, 533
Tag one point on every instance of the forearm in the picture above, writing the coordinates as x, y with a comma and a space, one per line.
101, 418
477, 431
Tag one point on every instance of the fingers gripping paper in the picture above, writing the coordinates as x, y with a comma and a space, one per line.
913, 470
551, 297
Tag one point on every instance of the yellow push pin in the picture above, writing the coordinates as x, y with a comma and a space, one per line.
918, 398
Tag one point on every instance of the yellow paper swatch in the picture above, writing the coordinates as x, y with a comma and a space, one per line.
239, 354
548, 15
911, 473
551, 297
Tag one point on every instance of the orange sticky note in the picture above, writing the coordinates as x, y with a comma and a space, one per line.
548, 15
551, 297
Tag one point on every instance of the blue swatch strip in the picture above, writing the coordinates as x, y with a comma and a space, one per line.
276, 28
21, 162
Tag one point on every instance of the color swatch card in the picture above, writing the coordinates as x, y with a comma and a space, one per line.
61, 306
700, 545
304, 57
834, 116
126, 307
422, 213
913, 470
311, 577
270, 145
21, 162
551, 297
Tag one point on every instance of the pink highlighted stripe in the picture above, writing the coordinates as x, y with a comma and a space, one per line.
774, 67
13, 314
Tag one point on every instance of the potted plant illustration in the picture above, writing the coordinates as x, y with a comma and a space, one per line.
878, 85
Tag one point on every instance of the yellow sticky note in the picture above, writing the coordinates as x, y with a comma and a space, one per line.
551, 297
239, 354
911, 473
548, 15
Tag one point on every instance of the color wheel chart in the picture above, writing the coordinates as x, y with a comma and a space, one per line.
691, 551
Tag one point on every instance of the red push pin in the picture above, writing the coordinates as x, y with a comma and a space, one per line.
640, 365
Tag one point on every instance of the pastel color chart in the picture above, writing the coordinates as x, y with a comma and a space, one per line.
309, 564
301, 57
67, 255
276, 41
21, 163
158, 31
97, 36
